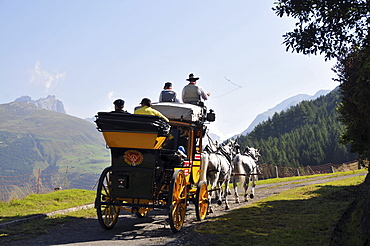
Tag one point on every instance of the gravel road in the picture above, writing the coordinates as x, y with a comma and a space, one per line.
150, 230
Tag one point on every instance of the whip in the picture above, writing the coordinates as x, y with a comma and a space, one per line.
238, 87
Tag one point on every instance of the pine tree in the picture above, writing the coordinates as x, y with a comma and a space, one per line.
305, 134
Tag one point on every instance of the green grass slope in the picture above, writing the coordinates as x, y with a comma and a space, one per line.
33, 139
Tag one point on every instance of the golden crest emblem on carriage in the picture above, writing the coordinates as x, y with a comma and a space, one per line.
133, 157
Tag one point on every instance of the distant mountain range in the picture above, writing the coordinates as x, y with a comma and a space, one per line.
49, 103
284, 105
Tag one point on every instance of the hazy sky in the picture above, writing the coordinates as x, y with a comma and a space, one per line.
89, 53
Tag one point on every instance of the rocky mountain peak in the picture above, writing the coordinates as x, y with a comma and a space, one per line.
48, 103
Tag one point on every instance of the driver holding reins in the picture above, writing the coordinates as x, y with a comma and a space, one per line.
192, 93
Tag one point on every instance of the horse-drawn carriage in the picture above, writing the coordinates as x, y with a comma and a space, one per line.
154, 164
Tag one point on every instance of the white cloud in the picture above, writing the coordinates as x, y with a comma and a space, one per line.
110, 95
44, 78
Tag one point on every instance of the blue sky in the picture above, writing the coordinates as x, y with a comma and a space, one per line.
89, 53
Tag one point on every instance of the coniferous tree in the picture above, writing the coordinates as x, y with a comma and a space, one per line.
305, 134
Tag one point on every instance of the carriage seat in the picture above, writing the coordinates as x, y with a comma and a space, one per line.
181, 111
132, 130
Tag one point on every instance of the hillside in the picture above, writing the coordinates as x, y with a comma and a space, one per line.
33, 139
284, 105
305, 134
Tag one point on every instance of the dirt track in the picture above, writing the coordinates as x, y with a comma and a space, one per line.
151, 230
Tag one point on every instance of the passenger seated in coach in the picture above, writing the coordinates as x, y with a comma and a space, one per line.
146, 109
118, 106
167, 94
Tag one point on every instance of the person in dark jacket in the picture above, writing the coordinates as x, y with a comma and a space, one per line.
168, 95
118, 106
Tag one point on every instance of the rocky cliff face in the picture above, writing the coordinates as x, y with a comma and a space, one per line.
49, 103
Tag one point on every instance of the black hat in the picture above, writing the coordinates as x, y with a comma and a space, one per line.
167, 85
119, 102
192, 78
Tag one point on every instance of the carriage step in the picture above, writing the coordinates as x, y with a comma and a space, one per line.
214, 189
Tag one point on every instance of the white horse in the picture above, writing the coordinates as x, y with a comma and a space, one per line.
245, 171
217, 168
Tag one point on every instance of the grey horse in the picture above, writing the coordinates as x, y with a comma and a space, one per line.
245, 171
217, 169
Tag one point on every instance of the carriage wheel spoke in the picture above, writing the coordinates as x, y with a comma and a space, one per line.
107, 213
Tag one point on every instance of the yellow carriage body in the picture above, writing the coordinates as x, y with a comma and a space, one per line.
133, 140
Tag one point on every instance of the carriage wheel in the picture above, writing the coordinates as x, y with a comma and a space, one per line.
178, 200
202, 201
107, 214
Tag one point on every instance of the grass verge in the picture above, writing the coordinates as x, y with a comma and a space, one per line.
299, 178
44, 203
302, 216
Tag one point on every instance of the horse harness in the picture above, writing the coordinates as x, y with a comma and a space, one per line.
223, 153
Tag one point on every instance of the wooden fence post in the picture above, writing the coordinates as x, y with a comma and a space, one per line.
312, 172
65, 180
276, 172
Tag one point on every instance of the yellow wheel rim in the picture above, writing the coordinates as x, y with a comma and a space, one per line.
178, 203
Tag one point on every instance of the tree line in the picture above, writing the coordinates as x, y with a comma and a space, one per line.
305, 134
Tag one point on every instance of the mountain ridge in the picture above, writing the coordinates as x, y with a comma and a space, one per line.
283, 105
48, 103
307, 134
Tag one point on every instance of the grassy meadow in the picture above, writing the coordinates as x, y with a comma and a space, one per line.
307, 215
301, 216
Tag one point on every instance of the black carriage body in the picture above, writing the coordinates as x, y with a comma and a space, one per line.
135, 172
144, 148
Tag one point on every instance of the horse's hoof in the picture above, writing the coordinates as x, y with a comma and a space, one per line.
229, 193
227, 207
210, 210
219, 202
237, 201
251, 196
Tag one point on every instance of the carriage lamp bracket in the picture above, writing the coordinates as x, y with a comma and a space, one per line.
123, 182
